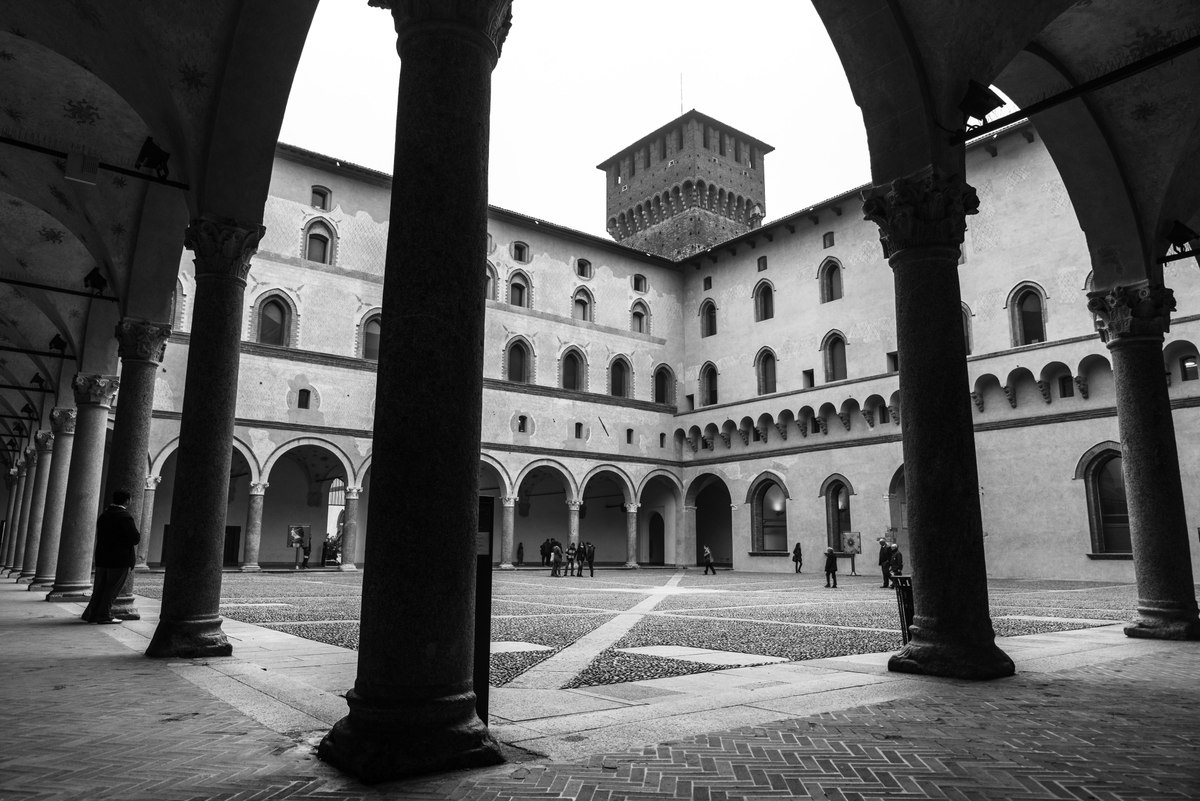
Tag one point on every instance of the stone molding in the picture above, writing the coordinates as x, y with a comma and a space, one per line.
142, 340
152, 483
44, 440
222, 248
489, 18
260, 488
926, 209
352, 493
1135, 310
573, 506
62, 420
95, 389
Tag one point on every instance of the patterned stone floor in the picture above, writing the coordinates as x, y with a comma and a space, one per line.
1090, 715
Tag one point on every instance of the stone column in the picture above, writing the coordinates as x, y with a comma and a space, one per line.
10, 481
685, 539
62, 424
631, 532
508, 519
922, 218
188, 624
350, 529
26, 500
573, 522
412, 708
1133, 321
37, 508
147, 523
141, 345
14, 517
93, 396
254, 510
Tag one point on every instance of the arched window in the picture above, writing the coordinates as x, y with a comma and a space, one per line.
273, 322
574, 373
1107, 508
837, 512
639, 318
1027, 315
764, 302
708, 385
489, 290
708, 318
318, 244
517, 362
768, 517
618, 378
520, 252
320, 198
664, 385
831, 281
966, 325
518, 290
582, 305
765, 368
583, 268
835, 357
371, 331
639, 283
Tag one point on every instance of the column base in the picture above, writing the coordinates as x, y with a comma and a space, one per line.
1165, 621
189, 639
952, 658
631, 566
123, 609
251, 568
141, 568
25, 579
347, 566
58, 593
42, 584
377, 745
507, 566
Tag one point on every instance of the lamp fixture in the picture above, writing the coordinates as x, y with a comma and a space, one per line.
95, 281
979, 101
153, 157
58, 343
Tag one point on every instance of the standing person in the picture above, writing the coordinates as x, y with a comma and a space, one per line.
885, 562
896, 562
307, 553
571, 550
797, 557
708, 561
830, 568
555, 559
591, 560
545, 550
116, 538
520, 553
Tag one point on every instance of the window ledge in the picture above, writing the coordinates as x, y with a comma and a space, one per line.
1118, 556
768, 553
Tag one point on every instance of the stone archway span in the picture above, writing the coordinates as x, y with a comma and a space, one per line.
661, 473
572, 486
506, 485
1090, 455
768, 475
626, 483
292, 444
360, 475
701, 481
831, 479
159, 460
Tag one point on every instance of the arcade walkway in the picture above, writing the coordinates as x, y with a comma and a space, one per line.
1091, 714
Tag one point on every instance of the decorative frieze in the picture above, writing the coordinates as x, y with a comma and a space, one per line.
845, 418
1044, 388
1082, 385
62, 420
1136, 310
142, 340
894, 411
1010, 392
725, 436
782, 429
926, 209
869, 416
95, 389
762, 433
745, 434
222, 248
977, 397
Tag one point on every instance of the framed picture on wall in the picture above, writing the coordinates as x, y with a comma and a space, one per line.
297, 536
851, 542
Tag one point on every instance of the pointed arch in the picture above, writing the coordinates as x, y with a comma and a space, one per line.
620, 377
829, 275
573, 369
319, 241
765, 370
664, 384
1026, 306
519, 366
764, 301
275, 319
520, 289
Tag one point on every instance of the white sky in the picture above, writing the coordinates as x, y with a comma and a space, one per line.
579, 81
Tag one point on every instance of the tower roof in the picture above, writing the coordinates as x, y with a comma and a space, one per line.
689, 115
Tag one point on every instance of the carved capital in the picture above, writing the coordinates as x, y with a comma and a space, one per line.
95, 389
19, 469
222, 247
1137, 310
926, 209
31, 458
508, 501
44, 440
142, 340
62, 420
259, 488
487, 21
152, 483
573, 506
631, 508
352, 493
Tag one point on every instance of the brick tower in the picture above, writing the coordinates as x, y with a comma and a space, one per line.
691, 184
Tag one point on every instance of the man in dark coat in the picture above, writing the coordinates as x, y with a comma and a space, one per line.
116, 538
896, 560
885, 562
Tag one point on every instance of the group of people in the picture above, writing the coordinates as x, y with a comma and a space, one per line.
891, 563
571, 561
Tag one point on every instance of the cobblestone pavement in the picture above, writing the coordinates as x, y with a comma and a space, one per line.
1090, 715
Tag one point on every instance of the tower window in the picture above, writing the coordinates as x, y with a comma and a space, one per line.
639, 318
639, 283
708, 319
618, 379
579, 431
708, 282
520, 252
629, 436
517, 363
708, 385
318, 244
320, 198
303, 399
766, 372
831, 281
372, 331
662, 440
582, 306
273, 323
764, 302
835, 358
1027, 317
518, 290
762, 263
827, 239
1066, 387
664, 385
573, 371
583, 268
1189, 369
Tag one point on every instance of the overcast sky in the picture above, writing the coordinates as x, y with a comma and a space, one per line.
578, 81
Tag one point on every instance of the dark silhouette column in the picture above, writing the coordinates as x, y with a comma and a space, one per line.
922, 218
573, 522
140, 345
350, 529
254, 510
631, 531
412, 708
14, 518
10, 483
188, 624
1133, 321
685, 535
93, 396
26, 501
33, 531
62, 424
508, 508
146, 527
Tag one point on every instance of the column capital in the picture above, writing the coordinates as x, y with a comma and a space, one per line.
44, 440
141, 340
152, 482
508, 500
487, 21
1135, 310
222, 247
18, 469
928, 208
62, 420
259, 487
687, 508
31, 458
95, 389
631, 508
352, 493
574, 505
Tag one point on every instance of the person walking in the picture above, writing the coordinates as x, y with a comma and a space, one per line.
885, 562
708, 561
116, 538
830, 568
555, 559
797, 557
896, 562
591, 561
520, 553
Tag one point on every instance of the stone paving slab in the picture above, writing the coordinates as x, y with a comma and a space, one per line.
703, 655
